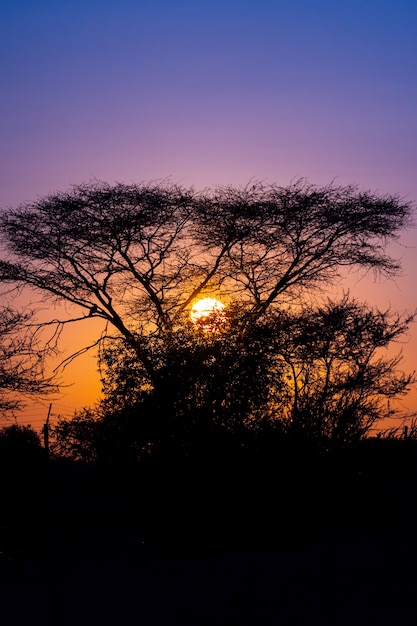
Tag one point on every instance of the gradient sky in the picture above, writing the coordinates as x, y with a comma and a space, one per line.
211, 93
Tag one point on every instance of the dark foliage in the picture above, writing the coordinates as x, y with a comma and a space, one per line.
316, 378
20, 448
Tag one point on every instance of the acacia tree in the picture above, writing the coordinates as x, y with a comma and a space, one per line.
138, 256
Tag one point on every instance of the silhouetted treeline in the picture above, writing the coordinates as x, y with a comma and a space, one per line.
273, 493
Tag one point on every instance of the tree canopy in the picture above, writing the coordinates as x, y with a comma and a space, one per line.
138, 256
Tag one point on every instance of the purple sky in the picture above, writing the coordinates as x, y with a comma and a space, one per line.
212, 93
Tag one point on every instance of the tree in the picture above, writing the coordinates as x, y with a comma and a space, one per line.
22, 361
208, 389
78, 438
320, 376
338, 374
139, 256
20, 447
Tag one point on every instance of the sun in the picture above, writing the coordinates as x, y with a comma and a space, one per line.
208, 314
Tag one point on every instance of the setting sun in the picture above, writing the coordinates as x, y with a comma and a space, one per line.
207, 313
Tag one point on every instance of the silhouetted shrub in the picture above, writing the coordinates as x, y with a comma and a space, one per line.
20, 447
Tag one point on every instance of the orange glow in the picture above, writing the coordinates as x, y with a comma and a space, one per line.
208, 314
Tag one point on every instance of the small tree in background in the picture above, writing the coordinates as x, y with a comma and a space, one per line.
20, 448
338, 373
22, 361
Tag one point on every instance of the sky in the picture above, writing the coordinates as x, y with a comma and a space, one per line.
207, 94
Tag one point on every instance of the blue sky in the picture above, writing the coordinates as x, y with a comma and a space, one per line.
207, 93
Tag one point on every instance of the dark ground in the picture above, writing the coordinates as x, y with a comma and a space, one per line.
294, 542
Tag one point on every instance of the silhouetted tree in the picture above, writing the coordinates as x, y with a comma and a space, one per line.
138, 256
321, 376
22, 360
20, 447
338, 374
207, 388
77, 438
